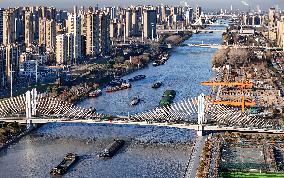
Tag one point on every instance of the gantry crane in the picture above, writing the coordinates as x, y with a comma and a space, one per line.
242, 102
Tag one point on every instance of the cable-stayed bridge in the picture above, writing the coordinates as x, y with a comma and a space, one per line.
196, 113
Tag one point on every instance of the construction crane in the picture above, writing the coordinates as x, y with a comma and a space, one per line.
243, 102
240, 84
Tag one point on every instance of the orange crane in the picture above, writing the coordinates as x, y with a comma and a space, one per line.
241, 84
243, 102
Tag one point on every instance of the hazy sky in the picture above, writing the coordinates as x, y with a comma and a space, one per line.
206, 4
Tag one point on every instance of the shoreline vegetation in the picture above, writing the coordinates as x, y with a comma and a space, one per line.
11, 133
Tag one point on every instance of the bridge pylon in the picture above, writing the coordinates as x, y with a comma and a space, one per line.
201, 114
31, 103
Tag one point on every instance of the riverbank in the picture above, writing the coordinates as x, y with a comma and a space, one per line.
16, 138
110, 70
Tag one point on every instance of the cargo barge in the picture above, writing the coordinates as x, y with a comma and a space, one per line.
136, 78
67, 162
111, 149
167, 98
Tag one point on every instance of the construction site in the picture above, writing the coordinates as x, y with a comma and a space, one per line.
251, 155
252, 85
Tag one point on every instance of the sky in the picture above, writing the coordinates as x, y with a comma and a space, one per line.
206, 4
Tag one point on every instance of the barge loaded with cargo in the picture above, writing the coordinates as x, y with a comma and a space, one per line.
167, 98
111, 149
67, 162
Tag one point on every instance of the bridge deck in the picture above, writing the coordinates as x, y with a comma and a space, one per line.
182, 126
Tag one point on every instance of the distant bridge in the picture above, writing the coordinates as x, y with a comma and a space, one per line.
160, 31
220, 46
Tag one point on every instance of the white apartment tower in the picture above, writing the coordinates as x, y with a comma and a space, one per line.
74, 27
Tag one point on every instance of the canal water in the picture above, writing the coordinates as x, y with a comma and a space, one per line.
183, 72
149, 151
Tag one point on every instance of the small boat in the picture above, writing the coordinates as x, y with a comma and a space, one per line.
95, 93
155, 64
135, 101
157, 85
122, 86
112, 148
136, 78
67, 162
125, 85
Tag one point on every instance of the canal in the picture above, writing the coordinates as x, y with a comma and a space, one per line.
183, 72
149, 151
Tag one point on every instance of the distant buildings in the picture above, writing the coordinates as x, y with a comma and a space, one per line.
252, 19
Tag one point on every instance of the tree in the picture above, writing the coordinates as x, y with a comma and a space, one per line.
238, 56
220, 57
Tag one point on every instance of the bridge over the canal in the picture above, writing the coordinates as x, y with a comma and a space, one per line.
196, 113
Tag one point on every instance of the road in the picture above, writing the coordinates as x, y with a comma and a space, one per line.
192, 169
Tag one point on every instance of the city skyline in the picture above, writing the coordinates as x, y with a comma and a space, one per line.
217, 4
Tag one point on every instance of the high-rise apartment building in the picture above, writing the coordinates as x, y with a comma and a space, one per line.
128, 22
50, 37
104, 33
42, 31
198, 12
272, 16
13, 52
64, 49
188, 16
61, 49
74, 26
272, 35
134, 23
3, 74
131, 22
29, 36
1, 25
149, 23
93, 34
280, 32
9, 30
